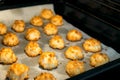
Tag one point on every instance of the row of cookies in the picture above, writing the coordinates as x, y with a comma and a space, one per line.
47, 14
32, 34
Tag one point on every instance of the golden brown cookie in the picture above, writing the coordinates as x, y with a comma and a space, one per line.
74, 53
50, 29
33, 49
32, 34
46, 13
74, 68
97, 59
10, 39
36, 21
48, 60
74, 35
18, 71
7, 56
57, 42
57, 20
18, 26
45, 76
92, 45
3, 29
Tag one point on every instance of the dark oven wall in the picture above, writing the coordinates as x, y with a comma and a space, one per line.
23, 1
8, 4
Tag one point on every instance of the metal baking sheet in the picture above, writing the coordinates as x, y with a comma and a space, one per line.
26, 13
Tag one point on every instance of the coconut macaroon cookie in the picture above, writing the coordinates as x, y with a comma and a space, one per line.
92, 45
7, 56
45, 76
48, 60
32, 34
3, 29
18, 26
36, 21
74, 35
50, 29
33, 49
57, 20
97, 59
18, 71
57, 42
46, 13
10, 39
74, 53
74, 67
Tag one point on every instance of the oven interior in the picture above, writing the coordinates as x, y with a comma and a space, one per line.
100, 19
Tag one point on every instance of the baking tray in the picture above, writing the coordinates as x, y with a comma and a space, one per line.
26, 13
